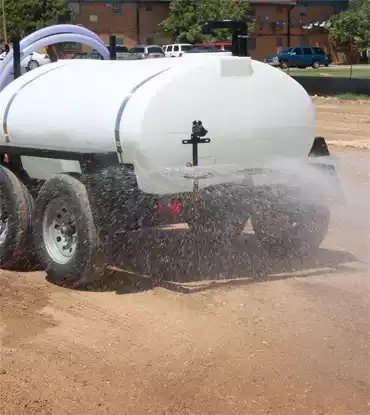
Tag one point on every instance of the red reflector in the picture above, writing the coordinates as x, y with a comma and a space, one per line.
89, 161
175, 207
180, 54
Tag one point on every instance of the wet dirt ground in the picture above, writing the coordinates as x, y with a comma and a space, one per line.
269, 336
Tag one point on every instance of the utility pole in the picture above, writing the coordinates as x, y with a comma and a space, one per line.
5, 31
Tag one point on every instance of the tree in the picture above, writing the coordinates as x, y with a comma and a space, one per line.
351, 28
26, 16
184, 22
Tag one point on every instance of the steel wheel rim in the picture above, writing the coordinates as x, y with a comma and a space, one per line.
59, 231
3, 222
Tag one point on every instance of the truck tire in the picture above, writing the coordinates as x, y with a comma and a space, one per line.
219, 220
16, 208
297, 229
216, 227
284, 65
65, 233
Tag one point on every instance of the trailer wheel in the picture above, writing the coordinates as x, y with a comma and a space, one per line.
221, 214
216, 223
16, 207
216, 228
65, 233
298, 229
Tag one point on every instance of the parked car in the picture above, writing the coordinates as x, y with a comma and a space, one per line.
122, 52
35, 60
146, 52
32, 61
204, 49
222, 46
299, 57
87, 55
176, 50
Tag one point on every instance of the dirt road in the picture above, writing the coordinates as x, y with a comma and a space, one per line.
346, 122
287, 336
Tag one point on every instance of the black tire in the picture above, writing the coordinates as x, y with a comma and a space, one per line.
217, 227
32, 64
83, 249
219, 218
284, 65
298, 229
16, 252
316, 64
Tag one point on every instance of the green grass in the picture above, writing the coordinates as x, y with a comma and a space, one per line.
353, 97
330, 72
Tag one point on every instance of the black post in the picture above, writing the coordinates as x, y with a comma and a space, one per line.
138, 6
16, 58
113, 47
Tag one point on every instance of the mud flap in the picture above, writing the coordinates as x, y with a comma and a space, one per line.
320, 149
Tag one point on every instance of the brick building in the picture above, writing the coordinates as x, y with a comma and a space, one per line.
131, 21
283, 23
278, 23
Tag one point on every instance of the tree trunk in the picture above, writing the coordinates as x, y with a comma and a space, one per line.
51, 51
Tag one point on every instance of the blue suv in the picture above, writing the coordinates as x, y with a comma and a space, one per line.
299, 57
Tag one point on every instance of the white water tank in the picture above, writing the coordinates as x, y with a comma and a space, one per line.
253, 112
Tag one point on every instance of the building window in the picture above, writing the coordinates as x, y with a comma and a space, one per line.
303, 41
74, 8
119, 41
93, 18
148, 7
71, 47
279, 42
252, 43
303, 11
116, 9
251, 11
150, 40
279, 9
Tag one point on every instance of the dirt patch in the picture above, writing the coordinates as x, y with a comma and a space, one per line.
344, 123
23, 298
287, 336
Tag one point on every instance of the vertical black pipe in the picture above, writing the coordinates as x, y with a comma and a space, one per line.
16, 57
113, 47
138, 22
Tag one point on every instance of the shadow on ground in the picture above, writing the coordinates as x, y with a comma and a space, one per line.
175, 260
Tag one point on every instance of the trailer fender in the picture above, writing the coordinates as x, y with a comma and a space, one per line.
320, 149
